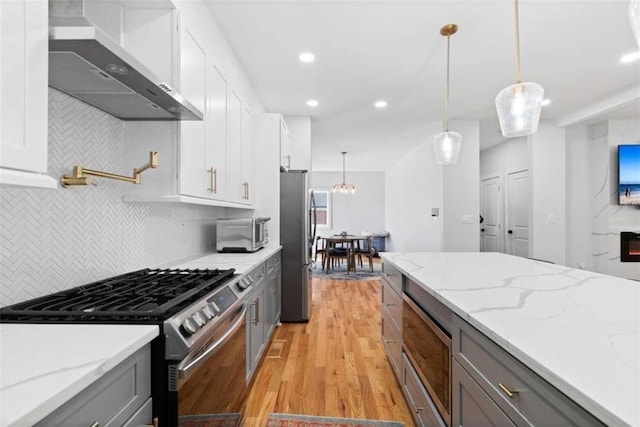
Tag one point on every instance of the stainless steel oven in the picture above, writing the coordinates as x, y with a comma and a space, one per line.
428, 347
212, 380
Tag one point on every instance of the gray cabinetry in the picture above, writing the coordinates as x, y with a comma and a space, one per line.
391, 311
524, 397
420, 403
471, 405
255, 320
121, 396
272, 294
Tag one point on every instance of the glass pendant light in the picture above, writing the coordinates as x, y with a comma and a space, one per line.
519, 105
634, 18
447, 143
344, 187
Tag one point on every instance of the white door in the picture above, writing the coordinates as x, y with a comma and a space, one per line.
491, 212
517, 212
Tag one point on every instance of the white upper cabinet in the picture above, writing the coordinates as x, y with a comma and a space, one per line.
200, 162
23, 93
193, 68
248, 149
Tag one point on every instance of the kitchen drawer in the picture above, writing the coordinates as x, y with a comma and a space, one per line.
392, 275
392, 304
142, 417
111, 400
392, 342
424, 411
471, 405
533, 400
273, 263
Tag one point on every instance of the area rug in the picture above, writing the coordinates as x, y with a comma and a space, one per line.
290, 420
340, 273
209, 420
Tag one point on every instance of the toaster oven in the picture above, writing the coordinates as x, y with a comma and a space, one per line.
241, 234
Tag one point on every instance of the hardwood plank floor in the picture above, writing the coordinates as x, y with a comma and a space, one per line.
335, 365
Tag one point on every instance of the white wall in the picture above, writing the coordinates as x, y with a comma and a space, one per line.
354, 213
300, 130
548, 183
461, 196
413, 187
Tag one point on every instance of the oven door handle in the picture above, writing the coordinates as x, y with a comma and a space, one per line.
186, 367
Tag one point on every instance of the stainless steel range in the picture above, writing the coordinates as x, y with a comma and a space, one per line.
202, 320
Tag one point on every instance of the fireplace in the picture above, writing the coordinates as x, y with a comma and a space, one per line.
629, 246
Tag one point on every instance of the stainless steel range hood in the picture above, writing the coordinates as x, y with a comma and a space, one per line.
87, 64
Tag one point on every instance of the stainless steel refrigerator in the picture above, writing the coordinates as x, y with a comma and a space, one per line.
297, 233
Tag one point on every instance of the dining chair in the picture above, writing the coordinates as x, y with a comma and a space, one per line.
320, 248
334, 253
365, 248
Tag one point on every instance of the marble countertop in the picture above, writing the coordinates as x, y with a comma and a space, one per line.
242, 262
577, 329
43, 366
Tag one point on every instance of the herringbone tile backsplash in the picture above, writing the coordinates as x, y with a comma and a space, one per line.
52, 240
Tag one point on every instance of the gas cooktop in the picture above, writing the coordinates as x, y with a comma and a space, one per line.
143, 296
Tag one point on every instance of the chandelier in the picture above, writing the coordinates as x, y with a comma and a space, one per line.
519, 105
344, 187
447, 143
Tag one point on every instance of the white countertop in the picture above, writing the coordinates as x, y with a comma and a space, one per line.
43, 366
577, 329
242, 262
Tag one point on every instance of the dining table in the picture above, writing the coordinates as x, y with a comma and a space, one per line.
349, 241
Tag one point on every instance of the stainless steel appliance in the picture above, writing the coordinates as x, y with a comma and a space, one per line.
198, 361
297, 233
87, 64
241, 234
428, 347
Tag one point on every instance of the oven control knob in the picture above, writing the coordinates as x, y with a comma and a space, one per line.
208, 313
199, 318
242, 285
189, 326
250, 280
212, 309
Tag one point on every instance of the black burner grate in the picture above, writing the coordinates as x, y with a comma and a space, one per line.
141, 296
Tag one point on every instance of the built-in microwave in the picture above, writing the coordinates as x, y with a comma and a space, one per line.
241, 234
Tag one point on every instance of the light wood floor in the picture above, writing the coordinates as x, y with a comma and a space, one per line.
333, 366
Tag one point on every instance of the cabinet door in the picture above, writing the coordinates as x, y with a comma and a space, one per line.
234, 149
193, 168
23, 90
247, 135
285, 145
471, 405
256, 322
216, 133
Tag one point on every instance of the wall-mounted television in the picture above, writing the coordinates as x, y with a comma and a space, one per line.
629, 174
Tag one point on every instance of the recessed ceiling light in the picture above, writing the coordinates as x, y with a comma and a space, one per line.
312, 103
630, 57
307, 57
546, 102
380, 104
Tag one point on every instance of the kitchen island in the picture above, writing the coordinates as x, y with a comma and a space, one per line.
577, 330
43, 367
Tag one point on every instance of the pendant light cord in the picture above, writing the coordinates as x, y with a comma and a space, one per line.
518, 80
446, 103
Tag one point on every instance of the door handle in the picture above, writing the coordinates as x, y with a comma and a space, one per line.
510, 232
482, 230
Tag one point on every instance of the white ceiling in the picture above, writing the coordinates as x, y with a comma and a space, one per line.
392, 50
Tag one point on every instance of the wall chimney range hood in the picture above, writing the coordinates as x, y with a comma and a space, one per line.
87, 64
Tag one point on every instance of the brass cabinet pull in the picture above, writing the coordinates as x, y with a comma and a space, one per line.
389, 342
214, 180
256, 311
390, 304
419, 409
95, 424
245, 190
508, 392
288, 161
